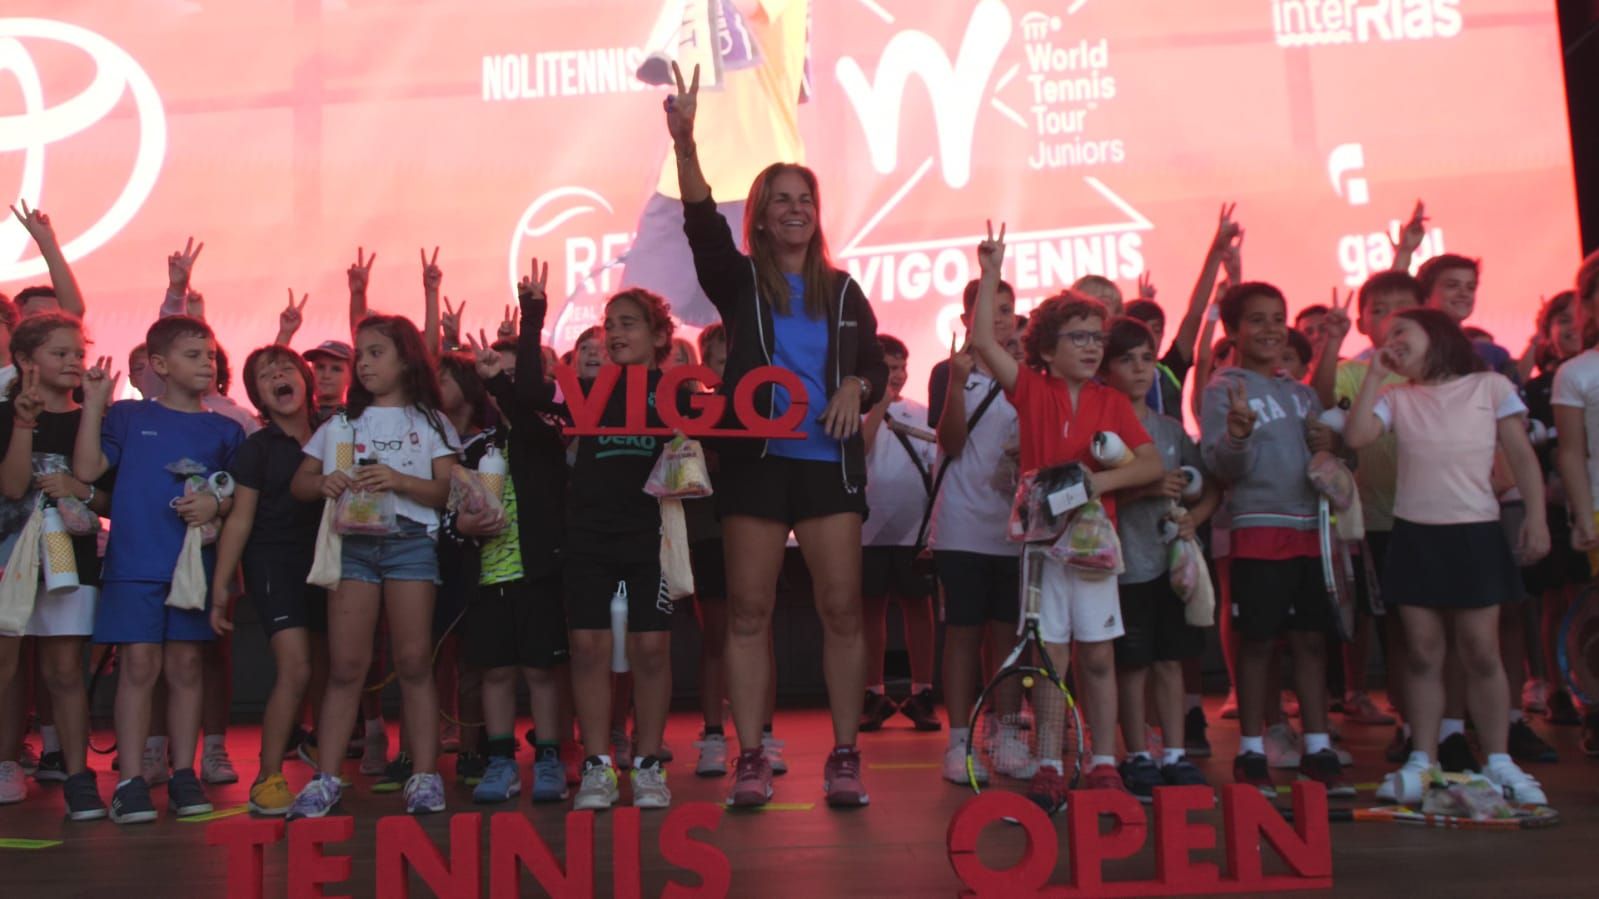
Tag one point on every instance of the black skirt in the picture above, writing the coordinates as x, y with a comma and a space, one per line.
1449, 566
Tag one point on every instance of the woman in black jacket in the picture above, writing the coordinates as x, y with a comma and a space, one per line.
784, 304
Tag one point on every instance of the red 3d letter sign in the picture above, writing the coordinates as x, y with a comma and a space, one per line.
707, 409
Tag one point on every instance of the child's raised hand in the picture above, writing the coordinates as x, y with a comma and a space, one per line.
194, 300
1240, 417
1146, 286
360, 273
99, 385
534, 288
1335, 324
961, 362
681, 107
432, 275
334, 485
37, 225
180, 265
510, 323
292, 316
1227, 230
489, 361
1414, 231
450, 322
991, 252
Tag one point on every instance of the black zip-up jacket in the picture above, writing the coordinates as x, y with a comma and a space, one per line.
729, 281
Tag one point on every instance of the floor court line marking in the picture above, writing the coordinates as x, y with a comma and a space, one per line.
20, 843
216, 815
786, 807
902, 766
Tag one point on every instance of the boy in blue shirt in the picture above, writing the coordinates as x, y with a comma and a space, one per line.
140, 440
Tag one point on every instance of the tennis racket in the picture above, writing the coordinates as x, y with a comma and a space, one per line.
1527, 817
1025, 714
1577, 648
1337, 570
102, 699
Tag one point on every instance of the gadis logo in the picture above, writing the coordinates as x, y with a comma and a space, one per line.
33, 130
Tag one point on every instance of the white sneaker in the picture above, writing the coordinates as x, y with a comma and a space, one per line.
375, 754
13, 783
1011, 756
713, 756
649, 787
157, 769
1405, 786
1282, 746
772, 748
216, 767
598, 791
1518, 785
955, 766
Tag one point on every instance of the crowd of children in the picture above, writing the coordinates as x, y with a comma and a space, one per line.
337, 512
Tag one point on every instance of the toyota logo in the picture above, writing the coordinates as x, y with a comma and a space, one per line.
37, 127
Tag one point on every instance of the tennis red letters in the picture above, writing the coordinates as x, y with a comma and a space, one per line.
1248, 820
515, 848
706, 409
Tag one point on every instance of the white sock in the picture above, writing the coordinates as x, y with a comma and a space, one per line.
917, 688
1252, 744
1098, 760
1316, 742
1418, 759
1191, 701
877, 688
1500, 760
214, 741
1057, 764
958, 735
123, 783
604, 760
1142, 755
1172, 756
1515, 715
1451, 726
374, 727
52, 741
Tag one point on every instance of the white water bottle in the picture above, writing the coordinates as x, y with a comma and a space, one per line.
619, 629
340, 446
1196, 483
1110, 450
60, 564
491, 470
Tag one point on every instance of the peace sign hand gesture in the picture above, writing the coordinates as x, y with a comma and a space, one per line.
432, 275
29, 401
680, 107
510, 323
1227, 230
489, 360
290, 319
1240, 417
961, 361
991, 252
450, 322
99, 385
533, 288
1335, 324
361, 272
37, 224
180, 265
1414, 231
1146, 286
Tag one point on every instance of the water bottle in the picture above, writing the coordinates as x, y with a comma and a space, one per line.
341, 440
60, 564
1196, 482
491, 470
619, 629
1110, 450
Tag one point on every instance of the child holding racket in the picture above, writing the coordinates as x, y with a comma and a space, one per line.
1449, 566
1060, 407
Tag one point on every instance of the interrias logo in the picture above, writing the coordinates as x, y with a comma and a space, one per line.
36, 127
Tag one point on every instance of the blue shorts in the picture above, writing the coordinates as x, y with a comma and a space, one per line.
409, 554
137, 612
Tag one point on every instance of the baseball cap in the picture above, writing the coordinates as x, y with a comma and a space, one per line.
338, 349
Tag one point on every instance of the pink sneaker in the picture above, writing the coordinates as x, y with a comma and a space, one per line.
1103, 777
841, 778
752, 780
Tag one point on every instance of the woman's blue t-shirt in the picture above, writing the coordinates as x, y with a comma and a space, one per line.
802, 349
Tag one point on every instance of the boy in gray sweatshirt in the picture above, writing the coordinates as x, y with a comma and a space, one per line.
1258, 429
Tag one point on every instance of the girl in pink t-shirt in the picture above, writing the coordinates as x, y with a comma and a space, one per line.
1449, 565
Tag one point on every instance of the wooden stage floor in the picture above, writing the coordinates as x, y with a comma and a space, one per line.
802, 848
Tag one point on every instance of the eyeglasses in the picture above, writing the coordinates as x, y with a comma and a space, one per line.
1084, 339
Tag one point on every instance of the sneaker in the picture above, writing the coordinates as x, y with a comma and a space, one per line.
499, 781
1103, 777
1011, 754
877, 709
271, 796
1282, 746
1229, 707
470, 768
1590, 734
375, 754
649, 784
1399, 748
752, 780
1323, 766
156, 767
27, 758
922, 712
307, 752
571, 760
772, 747
1527, 746
424, 794
185, 796
449, 739
52, 768
13, 783
1562, 710
1139, 776
1251, 768
713, 755
1047, 789
216, 767
1182, 773
549, 777
1194, 741
622, 749
395, 775
1518, 785
317, 798
1535, 695
131, 804
1359, 709
599, 791
841, 778
955, 766
1345, 757
82, 795
1407, 785
1454, 754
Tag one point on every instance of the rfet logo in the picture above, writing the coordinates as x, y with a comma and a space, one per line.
36, 127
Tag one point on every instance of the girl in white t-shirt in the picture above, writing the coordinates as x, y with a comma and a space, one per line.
405, 447
1449, 565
